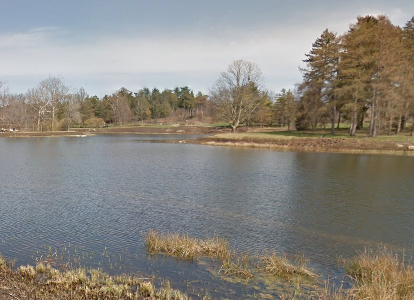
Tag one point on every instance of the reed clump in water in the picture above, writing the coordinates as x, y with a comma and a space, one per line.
239, 265
376, 274
186, 247
274, 264
242, 265
381, 274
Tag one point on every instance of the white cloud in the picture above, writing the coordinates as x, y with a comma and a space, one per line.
41, 52
104, 63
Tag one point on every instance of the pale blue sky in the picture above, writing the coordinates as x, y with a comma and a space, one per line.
103, 45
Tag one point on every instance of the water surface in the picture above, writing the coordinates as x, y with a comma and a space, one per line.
96, 197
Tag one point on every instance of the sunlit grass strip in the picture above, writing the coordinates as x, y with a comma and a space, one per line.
186, 247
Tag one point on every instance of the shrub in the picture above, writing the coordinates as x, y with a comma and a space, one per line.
94, 122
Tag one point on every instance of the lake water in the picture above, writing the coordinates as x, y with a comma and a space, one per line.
94, 199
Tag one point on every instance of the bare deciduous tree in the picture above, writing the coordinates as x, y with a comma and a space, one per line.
71, 108
4, 97
38, 100
18, 111
236, 93
55, 91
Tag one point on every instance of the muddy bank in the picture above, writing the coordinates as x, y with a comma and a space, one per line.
339, 145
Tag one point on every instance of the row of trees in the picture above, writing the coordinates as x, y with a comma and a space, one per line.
52, 105
238, 97
175, 105
369, 69
366, 73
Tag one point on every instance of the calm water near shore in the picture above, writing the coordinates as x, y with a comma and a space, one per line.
94, 198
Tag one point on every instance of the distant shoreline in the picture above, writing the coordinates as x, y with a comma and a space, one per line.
274, 140
75, 132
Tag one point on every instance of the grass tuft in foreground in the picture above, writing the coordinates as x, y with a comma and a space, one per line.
45, 282
376, 274
183, 246
381, 274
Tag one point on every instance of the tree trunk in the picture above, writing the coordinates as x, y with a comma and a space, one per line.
390, 125
333, 120
354, 121
374, 114
53, 119
404, 121
38, 122
399, 124
234, 126
339, 120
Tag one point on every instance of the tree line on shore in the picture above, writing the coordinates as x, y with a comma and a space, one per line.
366, 74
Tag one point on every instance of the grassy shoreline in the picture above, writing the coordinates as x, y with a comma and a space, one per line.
310, 141
314, 142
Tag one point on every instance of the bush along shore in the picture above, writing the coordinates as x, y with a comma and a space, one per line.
374, 274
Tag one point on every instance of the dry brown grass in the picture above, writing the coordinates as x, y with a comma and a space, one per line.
278, 265
375, 274
186, 247
47, 283
241, 265
381, 274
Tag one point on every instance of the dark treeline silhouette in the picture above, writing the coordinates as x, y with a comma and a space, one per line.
364, 77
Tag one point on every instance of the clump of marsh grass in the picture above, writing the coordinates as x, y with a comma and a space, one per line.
175, 245
381, 274
237, 265
241, 265
376, 274
186, 247
280, 266
27, 272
